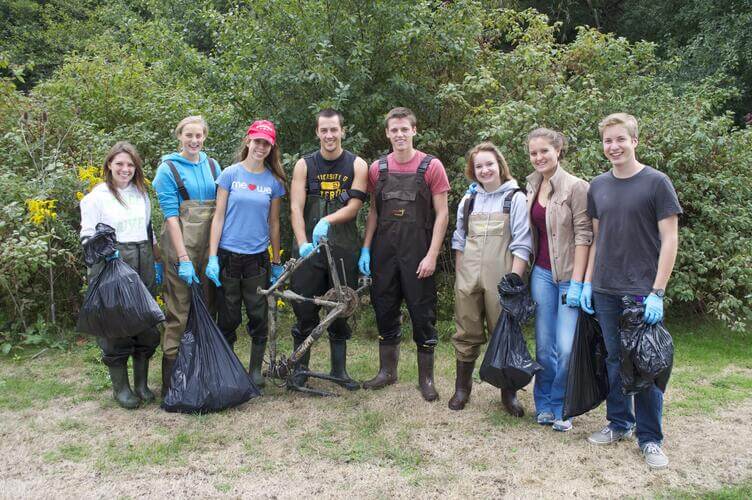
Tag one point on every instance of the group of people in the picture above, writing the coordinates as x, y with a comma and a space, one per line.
588, 244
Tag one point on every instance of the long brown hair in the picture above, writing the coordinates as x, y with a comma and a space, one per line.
490, 147
138, 174
273, 160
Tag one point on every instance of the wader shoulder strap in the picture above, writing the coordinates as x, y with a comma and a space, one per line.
422, 168
178, 180
313, 185
214, 168
508, 200
467, 209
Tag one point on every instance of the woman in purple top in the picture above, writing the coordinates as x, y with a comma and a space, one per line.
563, 233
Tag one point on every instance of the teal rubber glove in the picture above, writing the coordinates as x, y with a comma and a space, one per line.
364, 262
187, 273
212, 270
320, 231
306, 249
277, 270
114, 255
653, 309
158, 273
586, 298
472, 188
573, 293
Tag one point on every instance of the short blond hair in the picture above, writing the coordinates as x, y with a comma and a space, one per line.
191, 119
626, 120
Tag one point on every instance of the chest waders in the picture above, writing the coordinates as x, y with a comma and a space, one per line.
115, 352
404, 204
327, 190
485, 260
195, 217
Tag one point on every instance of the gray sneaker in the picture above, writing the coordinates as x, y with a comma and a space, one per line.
563, 425
654, 456
609, 436
545, 418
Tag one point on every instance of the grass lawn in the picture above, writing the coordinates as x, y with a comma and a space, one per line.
62, 435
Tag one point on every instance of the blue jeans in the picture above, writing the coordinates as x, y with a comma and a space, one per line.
555, 324
621, 410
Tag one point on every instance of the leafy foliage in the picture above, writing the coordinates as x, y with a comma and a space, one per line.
470, 71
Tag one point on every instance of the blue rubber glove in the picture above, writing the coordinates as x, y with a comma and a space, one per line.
573, 293
320, 231
472, 188
653, 309
306, 249
364, 262
212, 270
187, 273
158, 273
586, 298
277, 270
113, 256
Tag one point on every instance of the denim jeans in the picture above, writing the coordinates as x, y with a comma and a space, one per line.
621, 410
555, 324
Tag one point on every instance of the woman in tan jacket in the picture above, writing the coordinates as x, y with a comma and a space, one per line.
562, 232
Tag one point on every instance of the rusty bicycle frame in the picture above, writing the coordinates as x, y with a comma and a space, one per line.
340, 301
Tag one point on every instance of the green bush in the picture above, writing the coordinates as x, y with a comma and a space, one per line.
470, 72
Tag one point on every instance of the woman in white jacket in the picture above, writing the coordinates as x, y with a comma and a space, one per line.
122, 203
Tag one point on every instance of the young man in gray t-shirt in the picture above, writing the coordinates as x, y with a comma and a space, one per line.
636, 233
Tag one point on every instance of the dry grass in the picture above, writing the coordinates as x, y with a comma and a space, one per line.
71, 440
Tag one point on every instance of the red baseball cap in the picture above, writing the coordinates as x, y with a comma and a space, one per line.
262, 129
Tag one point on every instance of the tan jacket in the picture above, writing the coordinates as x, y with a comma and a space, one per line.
567, 222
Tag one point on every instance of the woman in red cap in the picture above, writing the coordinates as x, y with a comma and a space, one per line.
246, 222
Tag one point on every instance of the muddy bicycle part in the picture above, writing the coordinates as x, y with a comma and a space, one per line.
340, 301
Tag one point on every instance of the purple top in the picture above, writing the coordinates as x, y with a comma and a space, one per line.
538, 215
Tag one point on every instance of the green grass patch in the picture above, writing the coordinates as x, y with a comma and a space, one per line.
67, 452
18, 392
362, 439
731, 492
711, 366
138, 453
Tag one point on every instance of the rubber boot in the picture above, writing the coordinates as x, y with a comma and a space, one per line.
300, 380
257, 359
141, 378
463, 384
121, 388
168, 365
388, 359
511, 404
425, 375
338, 350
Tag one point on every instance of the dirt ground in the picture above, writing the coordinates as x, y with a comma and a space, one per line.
380, 444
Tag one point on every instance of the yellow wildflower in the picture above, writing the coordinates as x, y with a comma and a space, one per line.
160, 302
41, 210
281, 304
91, 174
79, 195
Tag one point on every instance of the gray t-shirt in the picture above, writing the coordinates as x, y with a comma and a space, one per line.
628, 242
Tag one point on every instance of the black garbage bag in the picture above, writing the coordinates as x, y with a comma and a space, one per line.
507, 363
515, 298
208, 376
587, 378
100, 245
647, 351
117, 303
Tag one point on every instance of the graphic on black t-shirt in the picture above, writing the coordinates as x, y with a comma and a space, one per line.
332, 184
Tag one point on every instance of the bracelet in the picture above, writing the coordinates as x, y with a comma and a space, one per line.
181, 256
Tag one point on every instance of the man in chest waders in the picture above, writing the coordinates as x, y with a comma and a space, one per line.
406, 224
328, 189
